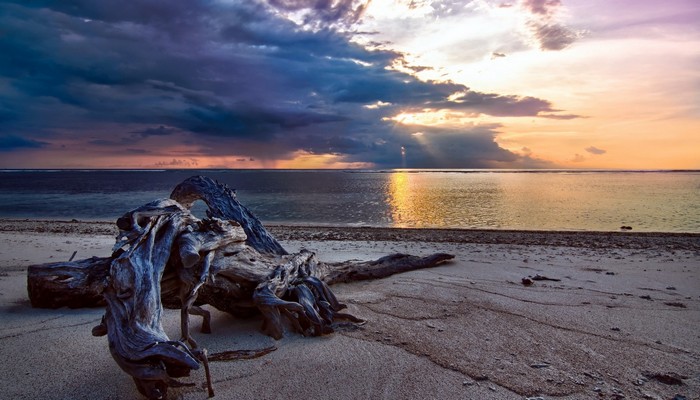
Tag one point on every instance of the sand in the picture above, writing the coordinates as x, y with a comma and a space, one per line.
622, 322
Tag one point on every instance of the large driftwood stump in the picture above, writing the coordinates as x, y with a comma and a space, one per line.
166, 257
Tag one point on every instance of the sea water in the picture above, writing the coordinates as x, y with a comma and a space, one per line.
657, 201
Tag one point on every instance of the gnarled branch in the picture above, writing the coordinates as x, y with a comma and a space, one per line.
166, 257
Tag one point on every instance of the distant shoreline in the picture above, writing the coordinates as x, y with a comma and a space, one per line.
588, 239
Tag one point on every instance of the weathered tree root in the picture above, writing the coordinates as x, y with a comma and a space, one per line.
73, 284
165, 257
223, 204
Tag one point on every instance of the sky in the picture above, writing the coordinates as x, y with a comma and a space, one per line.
350, 84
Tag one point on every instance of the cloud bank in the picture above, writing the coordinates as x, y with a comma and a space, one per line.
228, 78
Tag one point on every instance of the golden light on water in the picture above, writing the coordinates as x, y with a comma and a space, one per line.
411, 204
505, 200
440, 200
399, 198
444, 199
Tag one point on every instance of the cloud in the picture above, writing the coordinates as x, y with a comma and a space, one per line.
221, 78
321, 14
542, 7
560, 116
159, 131
456, 148
578, 158
138, 151
553, 36
178, 163
595, 150
424, 147
105, 142
12, 142
494, 104
545, 26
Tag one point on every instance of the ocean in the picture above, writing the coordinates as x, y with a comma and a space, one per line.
572, 200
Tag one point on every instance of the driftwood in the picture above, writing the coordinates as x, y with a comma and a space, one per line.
166, 257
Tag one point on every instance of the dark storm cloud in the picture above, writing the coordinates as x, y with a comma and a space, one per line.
456, 148
337, 145
104, 142
159, 131
425, 147
222, 75
112, 65
12, 142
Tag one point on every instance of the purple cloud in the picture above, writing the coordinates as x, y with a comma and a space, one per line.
544, 26
542, 7
553, 36
595, 150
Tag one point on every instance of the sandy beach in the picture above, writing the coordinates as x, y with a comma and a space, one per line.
620, 322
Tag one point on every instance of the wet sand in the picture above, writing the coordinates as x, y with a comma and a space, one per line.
621, 321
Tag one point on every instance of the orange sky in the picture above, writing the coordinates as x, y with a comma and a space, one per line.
633, 75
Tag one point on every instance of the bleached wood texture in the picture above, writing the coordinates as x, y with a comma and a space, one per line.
166, 257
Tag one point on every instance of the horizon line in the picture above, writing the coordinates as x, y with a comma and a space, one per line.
115, 169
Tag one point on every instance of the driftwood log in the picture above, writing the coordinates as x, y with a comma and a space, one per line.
166, 257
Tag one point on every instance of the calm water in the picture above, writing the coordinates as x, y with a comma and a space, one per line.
532, 200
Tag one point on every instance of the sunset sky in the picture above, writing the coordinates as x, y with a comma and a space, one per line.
350, 84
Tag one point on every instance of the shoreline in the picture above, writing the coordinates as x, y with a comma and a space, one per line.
588, 239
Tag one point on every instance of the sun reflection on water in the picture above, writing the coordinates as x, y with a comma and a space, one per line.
567, 201
442, 200
420, 201
398, 197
